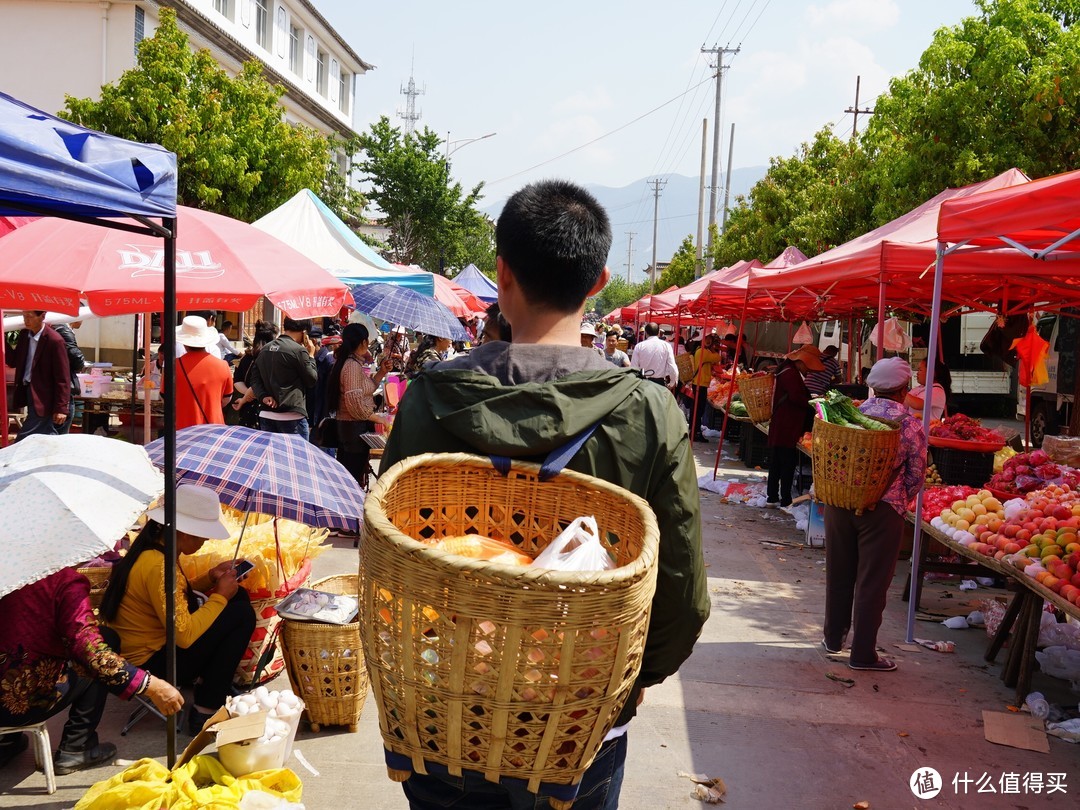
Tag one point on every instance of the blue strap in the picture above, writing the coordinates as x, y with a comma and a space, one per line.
556, 460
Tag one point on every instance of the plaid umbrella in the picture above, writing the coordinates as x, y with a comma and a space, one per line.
276, 474
408, 308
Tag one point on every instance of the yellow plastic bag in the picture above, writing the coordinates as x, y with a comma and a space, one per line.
201, 783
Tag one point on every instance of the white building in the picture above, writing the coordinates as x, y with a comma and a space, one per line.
49, 48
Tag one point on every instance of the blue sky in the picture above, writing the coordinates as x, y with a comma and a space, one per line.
550, 77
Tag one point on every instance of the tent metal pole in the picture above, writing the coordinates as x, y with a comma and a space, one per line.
731, 386
931, 363
3, 401
168, 371
881, 319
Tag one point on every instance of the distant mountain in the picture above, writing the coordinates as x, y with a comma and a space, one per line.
631, 210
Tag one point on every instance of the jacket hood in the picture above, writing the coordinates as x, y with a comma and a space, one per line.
519, 400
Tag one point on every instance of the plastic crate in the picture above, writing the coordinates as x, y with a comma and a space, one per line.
963, 467
753, 447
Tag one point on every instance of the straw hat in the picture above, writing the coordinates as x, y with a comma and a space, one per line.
810, 355
198, 512
194, 332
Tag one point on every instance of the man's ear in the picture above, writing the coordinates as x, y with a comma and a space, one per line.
601, 282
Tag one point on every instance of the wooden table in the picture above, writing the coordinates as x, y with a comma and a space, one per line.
1023, 616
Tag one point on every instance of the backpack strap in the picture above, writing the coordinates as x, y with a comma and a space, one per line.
556, 460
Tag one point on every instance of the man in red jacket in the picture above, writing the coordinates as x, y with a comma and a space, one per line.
42, 376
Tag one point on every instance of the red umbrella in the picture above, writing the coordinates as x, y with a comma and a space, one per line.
221, 263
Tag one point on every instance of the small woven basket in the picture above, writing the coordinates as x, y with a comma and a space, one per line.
685, 364
853, 468
511, 671
262, 660
325, 662
756, 394
99, 581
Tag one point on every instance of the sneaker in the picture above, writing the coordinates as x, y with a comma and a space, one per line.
829, 649
65, 762
11, 745
772, 504
881, 665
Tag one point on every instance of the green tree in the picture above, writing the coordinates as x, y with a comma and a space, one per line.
618, 292
236, 154
433, 221
814, 200
999, 90
681, 270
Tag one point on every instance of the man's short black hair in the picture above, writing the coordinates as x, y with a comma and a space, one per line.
554, 236
652, 330
289, 325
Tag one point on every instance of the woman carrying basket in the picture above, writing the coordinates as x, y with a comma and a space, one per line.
861, 550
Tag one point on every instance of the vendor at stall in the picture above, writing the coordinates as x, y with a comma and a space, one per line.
861, 550
790, 416
942, 391
214, 617
54, 656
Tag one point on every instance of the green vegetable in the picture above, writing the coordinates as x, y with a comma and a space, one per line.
839, 410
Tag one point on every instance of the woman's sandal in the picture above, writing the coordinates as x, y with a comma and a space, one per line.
881, 665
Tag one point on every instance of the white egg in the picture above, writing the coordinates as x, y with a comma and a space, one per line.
241, 709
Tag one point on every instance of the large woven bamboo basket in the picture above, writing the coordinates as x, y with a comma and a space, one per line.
326, 664
756, 394
853, 468
685, 364
514, 672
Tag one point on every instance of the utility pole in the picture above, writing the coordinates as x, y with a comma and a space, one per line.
719, 67
629, 254
727, 177
698, 265
656, 184
855, 112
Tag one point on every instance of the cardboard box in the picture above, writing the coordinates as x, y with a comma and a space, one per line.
236, 740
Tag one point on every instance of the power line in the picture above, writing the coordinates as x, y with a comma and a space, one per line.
598, 138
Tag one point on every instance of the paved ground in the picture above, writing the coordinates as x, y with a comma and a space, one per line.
753, 705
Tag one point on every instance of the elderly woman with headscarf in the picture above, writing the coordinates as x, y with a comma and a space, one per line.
861, 550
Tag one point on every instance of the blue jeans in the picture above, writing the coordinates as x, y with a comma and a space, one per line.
297, 426
36, 423
599, 788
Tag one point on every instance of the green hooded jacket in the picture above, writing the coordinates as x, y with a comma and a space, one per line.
523, 401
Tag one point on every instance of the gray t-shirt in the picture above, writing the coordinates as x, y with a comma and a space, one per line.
618, 358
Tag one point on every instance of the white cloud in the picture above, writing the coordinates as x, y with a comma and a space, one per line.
854, 15
583, 101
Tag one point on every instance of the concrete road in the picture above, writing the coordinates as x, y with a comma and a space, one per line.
754, 704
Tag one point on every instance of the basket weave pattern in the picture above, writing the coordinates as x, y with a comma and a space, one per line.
685, 364
510, 671
325, 662
264, 640
853, 468
756, 394
99, 581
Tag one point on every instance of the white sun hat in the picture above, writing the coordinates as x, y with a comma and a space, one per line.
198, 512
195, 332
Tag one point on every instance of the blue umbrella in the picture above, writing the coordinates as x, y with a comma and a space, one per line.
408, 308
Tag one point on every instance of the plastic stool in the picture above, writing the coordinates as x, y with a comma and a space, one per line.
42, 750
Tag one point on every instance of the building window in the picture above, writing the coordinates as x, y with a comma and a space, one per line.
309, 61
320, 72
335, 81
224, 8
140, 28
343, 92
281, 28
295, 57
262, 25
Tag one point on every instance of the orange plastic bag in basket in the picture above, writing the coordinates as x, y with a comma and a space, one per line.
480, 547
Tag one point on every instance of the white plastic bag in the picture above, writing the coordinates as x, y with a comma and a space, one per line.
578, 548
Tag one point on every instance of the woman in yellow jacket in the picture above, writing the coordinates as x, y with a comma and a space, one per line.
211, 635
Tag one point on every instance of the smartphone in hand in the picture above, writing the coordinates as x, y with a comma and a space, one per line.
243, 568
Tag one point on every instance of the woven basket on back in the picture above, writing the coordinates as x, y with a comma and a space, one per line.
99, 581
853, 468
756, 394
511, 671
685, 364
325, 662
